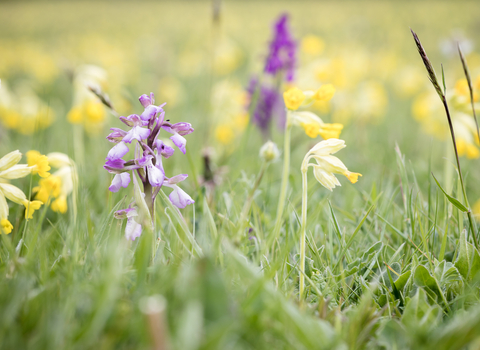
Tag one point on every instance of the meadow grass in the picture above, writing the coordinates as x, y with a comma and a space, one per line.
390, 263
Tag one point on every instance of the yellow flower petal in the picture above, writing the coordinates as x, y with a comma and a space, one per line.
293, 98
30, 208
5, 226
353, 177
60, 205
39, 163
331, 131
324, 93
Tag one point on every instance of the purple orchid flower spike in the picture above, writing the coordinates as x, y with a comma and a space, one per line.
282, 50
146, 165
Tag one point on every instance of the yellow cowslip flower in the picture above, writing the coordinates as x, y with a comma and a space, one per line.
293, 98
467, 149
5, 226
224, 134
60, 204
312, 45
38, 162
87, 109
9, 170
327, 165
48, 188
54, 189
324, 93
314, 126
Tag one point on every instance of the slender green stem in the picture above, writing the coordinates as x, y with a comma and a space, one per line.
302, 233
249, 201
469, 213
286, 173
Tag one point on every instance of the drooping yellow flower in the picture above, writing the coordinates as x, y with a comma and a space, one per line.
327, 165
314, 126
38, 162
293, 98
324, 93
48, 188
60, 204
5, 226
30, 207
312, 45
53, 190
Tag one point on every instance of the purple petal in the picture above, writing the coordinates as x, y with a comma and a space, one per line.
118, 151
155, 175
165, 151
132, 120
125, 213
180, 198
182, 128
180, 142
144, 160
146, 100
133, 229
137, 133
115, 163
150, 112
119, 180
117, 135
177, 178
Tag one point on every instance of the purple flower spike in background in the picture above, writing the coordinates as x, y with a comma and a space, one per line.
269, 104
146, 164
282, 50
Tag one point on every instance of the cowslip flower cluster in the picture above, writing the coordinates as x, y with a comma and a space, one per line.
324, 170
313, 125
146, 164
427, 111
10, 170
326, 165
86, 108
281, 56
54, 189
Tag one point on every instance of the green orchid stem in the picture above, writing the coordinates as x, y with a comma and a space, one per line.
286, 173
302, 233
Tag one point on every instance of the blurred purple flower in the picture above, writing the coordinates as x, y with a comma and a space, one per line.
268, 103
282, 50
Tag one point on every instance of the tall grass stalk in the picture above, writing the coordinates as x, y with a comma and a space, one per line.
441, 93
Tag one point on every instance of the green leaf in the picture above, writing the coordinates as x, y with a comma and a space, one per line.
451, 199
468, 261
402, 280
447, 274
419, 315
422, 278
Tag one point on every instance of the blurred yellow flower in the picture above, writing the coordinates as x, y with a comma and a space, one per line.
54, 189
312, 45
293, 98
314, 126
38, 162
9, 170
324, 93
224, 134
